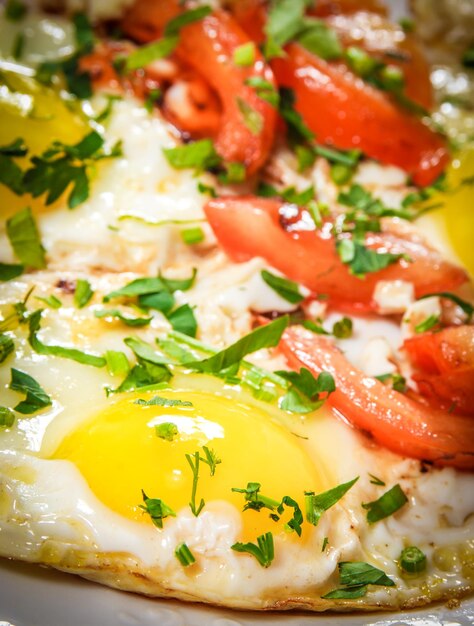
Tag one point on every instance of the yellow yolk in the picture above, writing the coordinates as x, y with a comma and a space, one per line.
455, 218
119, 453
39, 116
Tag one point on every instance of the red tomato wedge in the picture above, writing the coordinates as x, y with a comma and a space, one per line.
344, 111
394, 420
248, 227
444, 367
247, 125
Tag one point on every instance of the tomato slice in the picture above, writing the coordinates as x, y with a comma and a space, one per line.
208, 46
248, 227
394, 420
444, 367
247, 125
344, 111
388, 42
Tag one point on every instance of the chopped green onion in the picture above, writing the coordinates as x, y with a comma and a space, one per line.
52, 301
192, 236
244, 55
144, 55
412, 560
8, 271
174, 26
184, 555
7, 417
252, 119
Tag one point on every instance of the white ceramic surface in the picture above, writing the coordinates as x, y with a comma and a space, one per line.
34, 596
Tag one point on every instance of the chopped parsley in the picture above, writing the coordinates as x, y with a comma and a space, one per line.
52, 301
427, 324
306, 393
78, 82
117, 363
166, 402
63, 167
8, 271
466, 307
36, 398
316, 505
166, 430
83, 293
263, 551
34, 322
391, 501
24, 238
15, 10
6, 347
125, 319
356, 576
194, 460
264, 89
362, 260
251, 118
287, 289
263, 337
144, 55
156, 509
199, 155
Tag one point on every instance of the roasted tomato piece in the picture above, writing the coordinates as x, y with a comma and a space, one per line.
287, 239
344, 111
444, 367
247, 122
394, 420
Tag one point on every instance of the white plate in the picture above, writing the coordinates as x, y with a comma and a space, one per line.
33, 596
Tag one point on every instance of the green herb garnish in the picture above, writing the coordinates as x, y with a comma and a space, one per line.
316, 505
25, 240
264, 551
83, 293
263, 337
166, 430
287, 289
199, 155
244, 55
6, 347
36, 397
38, 346
7, 417
156, 509
356, 576
184, 555
391, 501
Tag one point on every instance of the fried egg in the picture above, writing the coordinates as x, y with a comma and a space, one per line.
106, 484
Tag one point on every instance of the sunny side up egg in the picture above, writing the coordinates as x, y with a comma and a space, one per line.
72, 477
72, 473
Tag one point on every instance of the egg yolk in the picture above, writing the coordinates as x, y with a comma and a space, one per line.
455, 217
38, 115
120, 453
